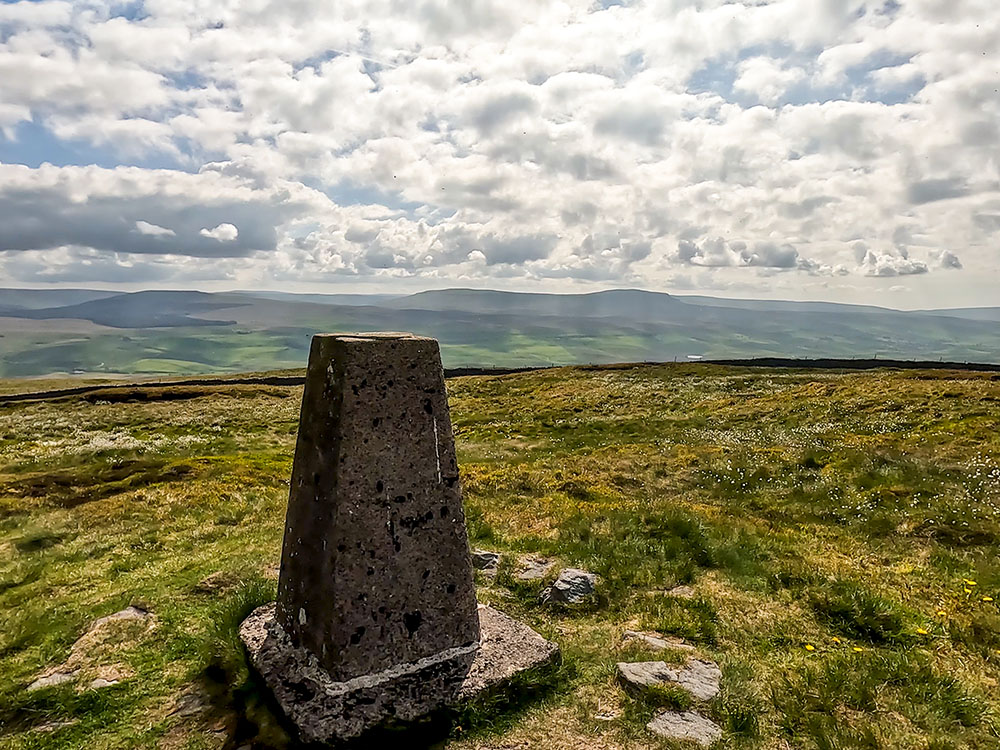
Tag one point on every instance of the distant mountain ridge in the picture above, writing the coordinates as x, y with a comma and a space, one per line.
189, 332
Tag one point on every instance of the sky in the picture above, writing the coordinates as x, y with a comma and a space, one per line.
843, 150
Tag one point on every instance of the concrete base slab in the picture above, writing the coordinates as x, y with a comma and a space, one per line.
325, 711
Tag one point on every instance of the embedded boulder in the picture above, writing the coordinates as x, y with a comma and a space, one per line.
534, 568
685, 725
573, 586
699, 677
485, 560
655, 641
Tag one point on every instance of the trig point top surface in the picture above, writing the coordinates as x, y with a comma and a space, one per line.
375, 567
372, 336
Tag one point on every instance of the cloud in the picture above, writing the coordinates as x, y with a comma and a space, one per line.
948, 259
516, 143
927, 191
888, 264
144, 227
123, 210
223, 233
716, 252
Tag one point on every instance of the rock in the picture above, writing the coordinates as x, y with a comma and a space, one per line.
683, 592
534, 568
655, 641
573, 586
685, 725
325, 710
485, 560
130, 612
106, 636
51, 680
55, 726
101, 642
699, 677
188, 704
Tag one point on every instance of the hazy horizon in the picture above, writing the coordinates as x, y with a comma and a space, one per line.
327, 291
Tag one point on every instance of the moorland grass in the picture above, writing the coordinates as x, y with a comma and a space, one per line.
841, 533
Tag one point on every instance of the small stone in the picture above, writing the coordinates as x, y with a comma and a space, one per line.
485, 560
655, 641
130, 612
573, 586
51, 680
189, 704
685, 725
534, 568
699, 677
682, 592
55, 726
100, 682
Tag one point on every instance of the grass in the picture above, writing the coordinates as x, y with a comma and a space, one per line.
856, 514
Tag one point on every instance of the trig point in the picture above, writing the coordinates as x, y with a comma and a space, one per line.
376, 617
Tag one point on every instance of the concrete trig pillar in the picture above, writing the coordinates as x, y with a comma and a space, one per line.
376, 615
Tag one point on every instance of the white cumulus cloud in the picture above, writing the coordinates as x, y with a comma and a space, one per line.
223, 233
153, 230
718, 145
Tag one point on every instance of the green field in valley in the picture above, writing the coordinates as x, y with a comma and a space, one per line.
840, 532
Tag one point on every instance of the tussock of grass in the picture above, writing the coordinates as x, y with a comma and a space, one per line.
223, 651
904, 683
855, 611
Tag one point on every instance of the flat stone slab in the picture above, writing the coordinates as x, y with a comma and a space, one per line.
51, 680
686, 725
534, 568
655, 641
327, 711
485, 560
682, 592
699, 677
573, 586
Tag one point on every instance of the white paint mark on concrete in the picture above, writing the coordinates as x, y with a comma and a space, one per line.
302, 616
437, 449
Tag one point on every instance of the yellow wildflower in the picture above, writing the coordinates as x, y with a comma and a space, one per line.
836, 639
858, 649
968, 591
987, 598
810, 647
921, 631
969, 582
941, 612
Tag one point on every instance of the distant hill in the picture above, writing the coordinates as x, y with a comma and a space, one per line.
969, 313
630, 304
33, 299
185, 332
152, 309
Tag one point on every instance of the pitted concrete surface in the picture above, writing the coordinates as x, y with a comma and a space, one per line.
375, 567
